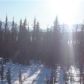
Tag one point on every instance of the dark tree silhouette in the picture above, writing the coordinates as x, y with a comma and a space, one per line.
22, 44
8, 76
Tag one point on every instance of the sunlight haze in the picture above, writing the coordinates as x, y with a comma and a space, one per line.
68, 11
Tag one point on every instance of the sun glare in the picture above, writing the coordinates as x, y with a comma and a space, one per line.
66, 10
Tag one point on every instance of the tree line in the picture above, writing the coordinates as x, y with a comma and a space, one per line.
21, 44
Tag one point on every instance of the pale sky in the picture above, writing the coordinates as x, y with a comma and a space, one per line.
68, 11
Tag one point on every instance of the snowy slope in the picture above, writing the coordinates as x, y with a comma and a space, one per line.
33, 74
39, 74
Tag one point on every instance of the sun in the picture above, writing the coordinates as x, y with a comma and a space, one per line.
66, 10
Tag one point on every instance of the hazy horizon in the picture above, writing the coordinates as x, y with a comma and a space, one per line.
68, 11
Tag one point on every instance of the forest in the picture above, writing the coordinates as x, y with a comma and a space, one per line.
22, 44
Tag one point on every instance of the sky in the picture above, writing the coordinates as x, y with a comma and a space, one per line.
45, 11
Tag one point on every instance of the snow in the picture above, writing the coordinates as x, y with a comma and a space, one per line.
31, 74
39, 74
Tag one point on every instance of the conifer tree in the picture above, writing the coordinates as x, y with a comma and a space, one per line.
13, 31
20, 77
8, 76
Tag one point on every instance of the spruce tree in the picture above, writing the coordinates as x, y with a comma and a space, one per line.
20, 77
8, 76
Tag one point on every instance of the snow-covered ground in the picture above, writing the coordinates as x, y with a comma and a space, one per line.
71, 76
33, 74
39, 74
